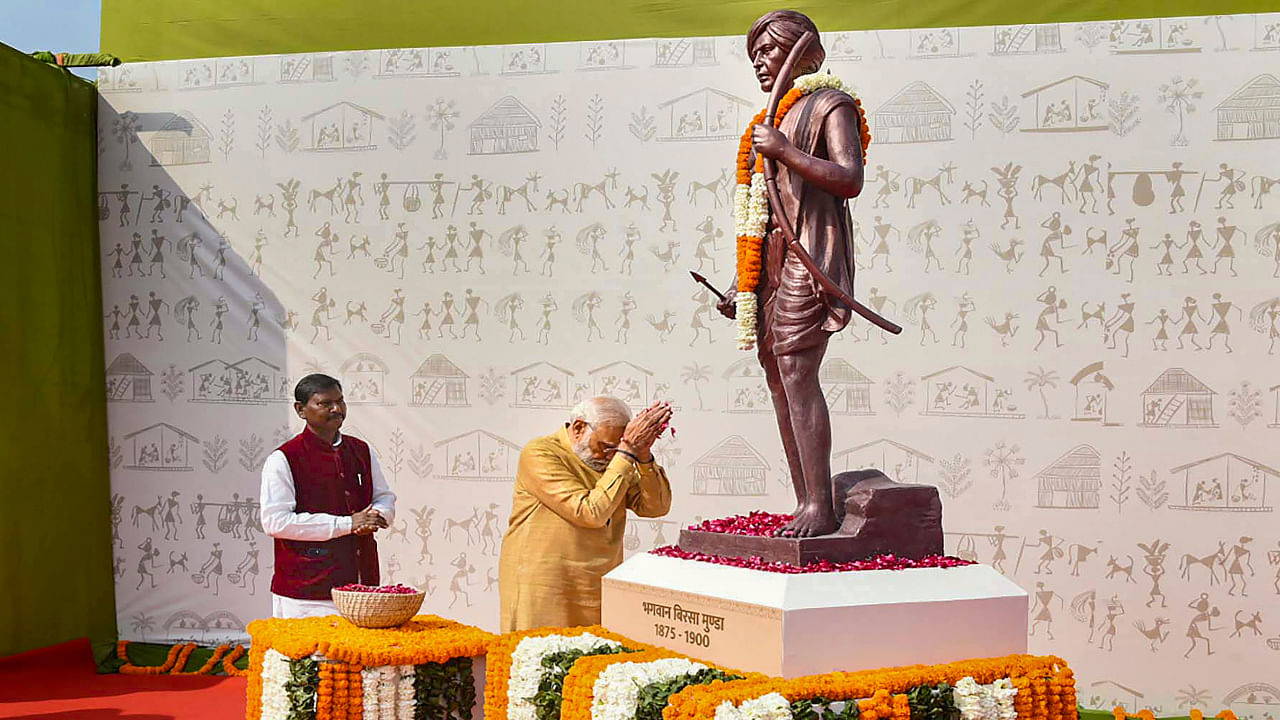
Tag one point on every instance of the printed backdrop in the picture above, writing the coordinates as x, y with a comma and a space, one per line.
1075, 224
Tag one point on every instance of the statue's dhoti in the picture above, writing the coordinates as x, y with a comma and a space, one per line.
792, 315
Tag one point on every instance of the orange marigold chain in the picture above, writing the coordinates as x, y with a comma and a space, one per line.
579, 685
880, 693
229, 662
498, 662
324, 693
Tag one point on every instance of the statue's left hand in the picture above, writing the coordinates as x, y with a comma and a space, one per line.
769, 141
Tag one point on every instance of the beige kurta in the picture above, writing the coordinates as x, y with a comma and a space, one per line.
566, 529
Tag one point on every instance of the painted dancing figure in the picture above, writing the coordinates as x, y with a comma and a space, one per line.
1226, 233
1195, 235
1205, 612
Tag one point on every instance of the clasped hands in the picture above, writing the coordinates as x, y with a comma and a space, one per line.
644, 429
367, 521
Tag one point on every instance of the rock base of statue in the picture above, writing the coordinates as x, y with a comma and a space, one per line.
877, 516
790, 625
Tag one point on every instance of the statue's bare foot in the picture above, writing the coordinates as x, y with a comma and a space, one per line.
811, 521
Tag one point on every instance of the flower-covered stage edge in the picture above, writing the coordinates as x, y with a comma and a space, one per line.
588, 673
1015, 687
326, 668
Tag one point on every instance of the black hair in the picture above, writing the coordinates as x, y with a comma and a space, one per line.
312, 384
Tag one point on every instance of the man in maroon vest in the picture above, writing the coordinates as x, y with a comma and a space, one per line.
323, 498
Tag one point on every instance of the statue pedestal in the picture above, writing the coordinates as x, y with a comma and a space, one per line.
793, 625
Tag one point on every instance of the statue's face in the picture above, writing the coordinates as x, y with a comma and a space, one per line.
767, 58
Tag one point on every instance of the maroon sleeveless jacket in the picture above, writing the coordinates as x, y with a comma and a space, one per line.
334, 480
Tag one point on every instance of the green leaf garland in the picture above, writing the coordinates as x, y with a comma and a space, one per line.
933, 702
653, 697
300, 688
444, 691
556, 666
820, 708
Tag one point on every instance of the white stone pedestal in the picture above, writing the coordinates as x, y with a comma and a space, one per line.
793, 625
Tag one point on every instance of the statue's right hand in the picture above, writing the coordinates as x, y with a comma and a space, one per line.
728, 307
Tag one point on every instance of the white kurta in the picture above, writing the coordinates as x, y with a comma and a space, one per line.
279, 498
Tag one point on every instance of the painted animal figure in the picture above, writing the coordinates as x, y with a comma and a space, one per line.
1009, 255
971, 193
1254, 623
664, 326
914, 186
1115, 568
1156, 633
558, 197
329, 195
1005, 328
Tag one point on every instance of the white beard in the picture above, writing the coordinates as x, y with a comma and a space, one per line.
582, 448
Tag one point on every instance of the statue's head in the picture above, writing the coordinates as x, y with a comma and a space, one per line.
770, 41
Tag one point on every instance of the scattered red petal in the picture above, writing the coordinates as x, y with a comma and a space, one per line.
881, 562
755, 523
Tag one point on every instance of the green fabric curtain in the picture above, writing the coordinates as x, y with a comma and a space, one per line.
139, 30
55, 535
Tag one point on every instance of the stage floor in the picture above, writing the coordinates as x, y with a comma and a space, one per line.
60, 682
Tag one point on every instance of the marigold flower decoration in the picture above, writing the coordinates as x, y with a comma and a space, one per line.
498, 663
880, 693
349, 648
751, 206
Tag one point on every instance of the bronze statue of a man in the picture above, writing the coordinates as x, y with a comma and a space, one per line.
818, 149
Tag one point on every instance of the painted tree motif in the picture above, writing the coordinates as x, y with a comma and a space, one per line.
900, 392
1123, 113
400, 130
1121, 478
1178, 98
973, 108
125, 130
1039, 379
440, 116
1002, 462
264, 131
643, 125
1244, 404
696, 375
557, 120
1004, 116
953, 477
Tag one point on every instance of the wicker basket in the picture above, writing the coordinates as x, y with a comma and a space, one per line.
377, 610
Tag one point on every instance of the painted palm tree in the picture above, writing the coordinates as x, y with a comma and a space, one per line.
1003, 461
142, 624
125, 131
696, 374
1177, 96
1039, 379
1193, 697
1217, 21
440, 116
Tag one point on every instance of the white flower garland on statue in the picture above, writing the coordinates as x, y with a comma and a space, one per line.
751, 213
617, 689
275, 673
766, 707
993, 701
527, 671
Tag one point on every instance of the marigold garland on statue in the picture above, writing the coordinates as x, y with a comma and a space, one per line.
751, 205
